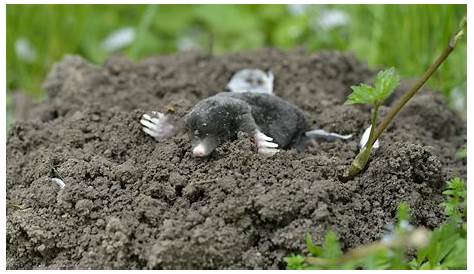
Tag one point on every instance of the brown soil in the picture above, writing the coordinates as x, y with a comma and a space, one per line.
130, 203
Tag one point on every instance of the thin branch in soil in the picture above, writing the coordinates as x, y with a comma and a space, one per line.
362, 158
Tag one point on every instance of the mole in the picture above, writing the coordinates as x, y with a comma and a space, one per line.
249, 107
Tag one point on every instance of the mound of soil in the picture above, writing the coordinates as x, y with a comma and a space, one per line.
132, 203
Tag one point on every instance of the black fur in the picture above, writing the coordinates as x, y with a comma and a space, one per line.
219, 118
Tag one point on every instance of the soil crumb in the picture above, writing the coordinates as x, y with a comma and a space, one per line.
132, 203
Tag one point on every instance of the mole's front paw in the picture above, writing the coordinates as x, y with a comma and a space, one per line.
265, 146
157, 125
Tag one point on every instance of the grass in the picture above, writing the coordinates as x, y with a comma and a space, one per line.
407, 37
410, 38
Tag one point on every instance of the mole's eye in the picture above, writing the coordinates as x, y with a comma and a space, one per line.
259, 82
249, 80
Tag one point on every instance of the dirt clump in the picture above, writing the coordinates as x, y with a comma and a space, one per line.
132, 203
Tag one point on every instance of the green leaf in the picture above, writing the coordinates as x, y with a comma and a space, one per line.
289, 31
455, 205
227, 19
441, 245
312, 248
295, 262
381, 260
143, 35
457, 258
331, 246
362, 94
403, 212
385, 83
173, 19
462, 153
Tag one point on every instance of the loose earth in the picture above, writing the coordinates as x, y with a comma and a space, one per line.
132, 203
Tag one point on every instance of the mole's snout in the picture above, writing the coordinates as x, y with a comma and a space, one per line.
200, 151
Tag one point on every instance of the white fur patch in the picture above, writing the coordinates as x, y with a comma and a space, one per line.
251, 80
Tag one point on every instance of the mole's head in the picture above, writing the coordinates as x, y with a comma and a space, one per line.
209, 124
251, 80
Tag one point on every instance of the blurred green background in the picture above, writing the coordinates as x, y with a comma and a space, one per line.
408, 37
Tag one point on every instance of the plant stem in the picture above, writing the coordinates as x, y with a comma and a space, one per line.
375, 115
362, 158
417, 238
408, 95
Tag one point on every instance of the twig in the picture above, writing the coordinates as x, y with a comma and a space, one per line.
408, 95
362, 158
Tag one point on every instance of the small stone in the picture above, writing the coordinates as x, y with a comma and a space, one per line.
41, 248
84, 206
95, 117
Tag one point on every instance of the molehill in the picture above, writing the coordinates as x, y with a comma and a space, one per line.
131, 203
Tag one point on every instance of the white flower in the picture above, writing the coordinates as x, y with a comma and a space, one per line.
333, 19
457, 98
405, 225
297, 9
119, 39
187, 44
388, 239
192, 39
420, 238
25, 50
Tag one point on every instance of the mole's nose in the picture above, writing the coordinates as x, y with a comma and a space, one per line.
199, 151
